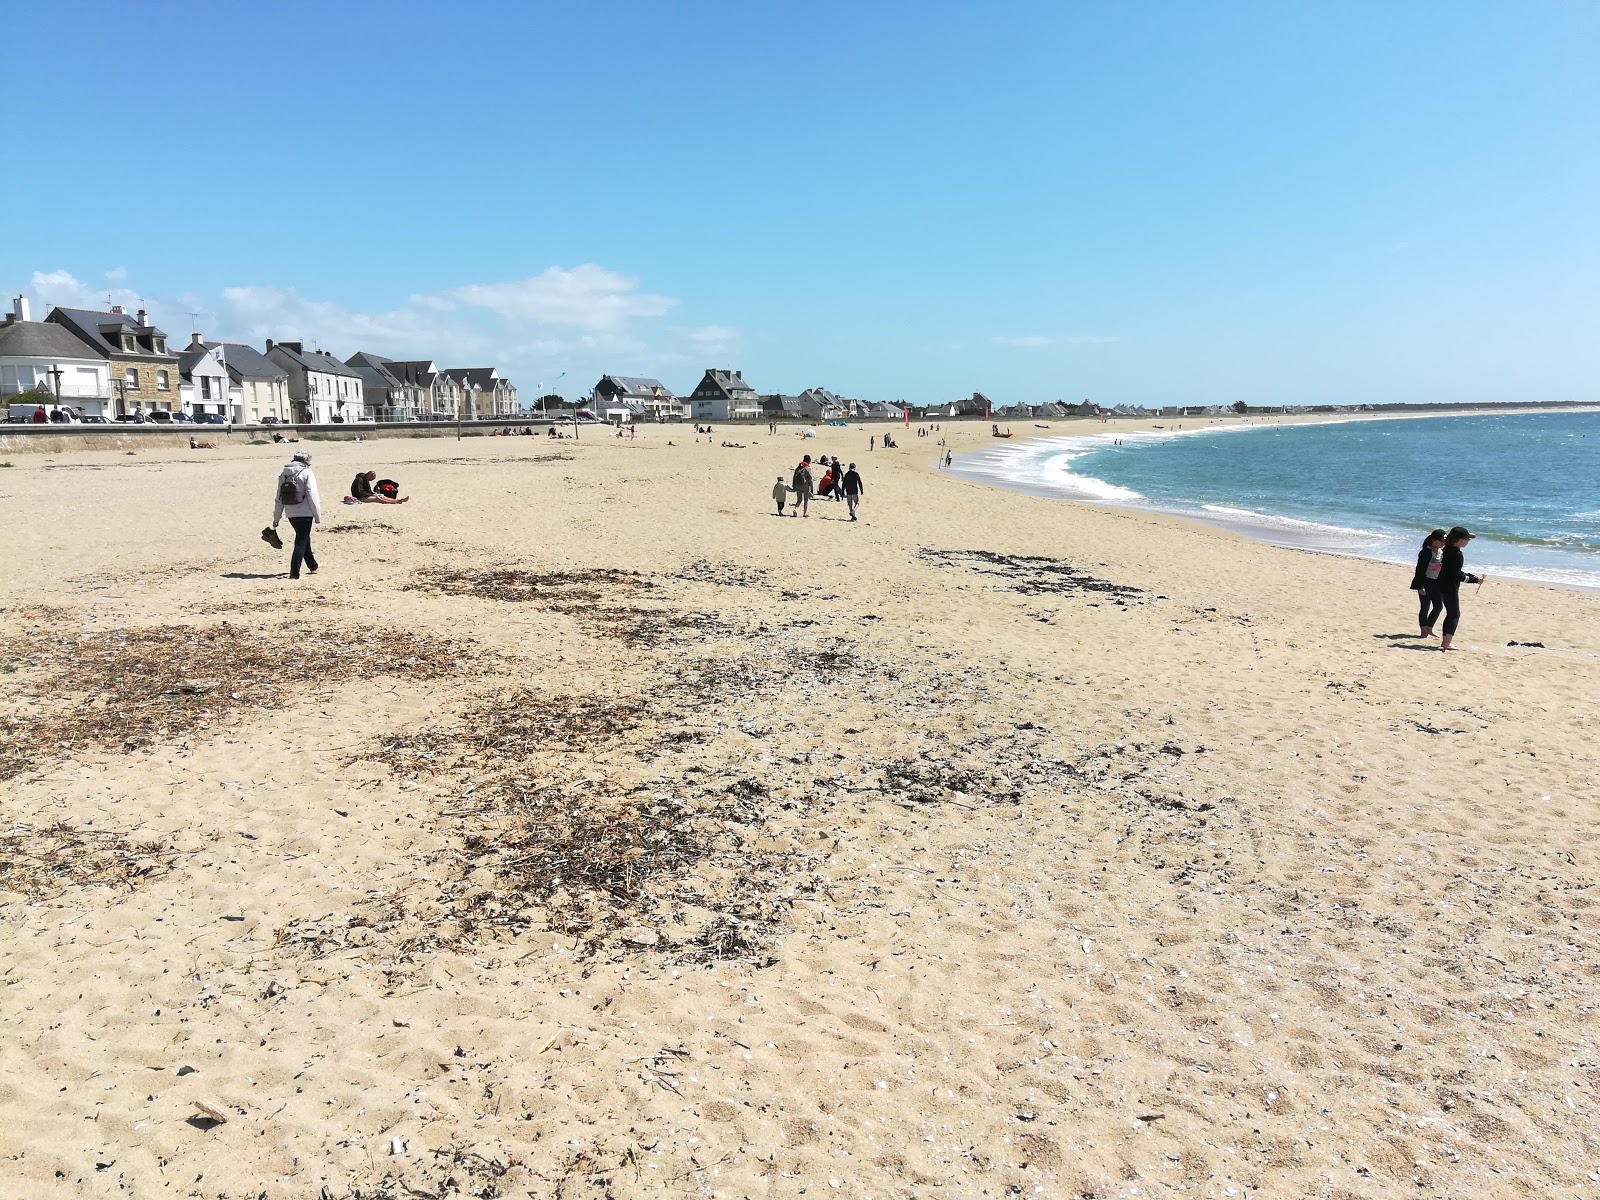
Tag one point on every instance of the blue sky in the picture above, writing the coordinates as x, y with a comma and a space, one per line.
1152, 203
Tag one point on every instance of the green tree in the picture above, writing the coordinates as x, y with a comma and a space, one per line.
1240, 407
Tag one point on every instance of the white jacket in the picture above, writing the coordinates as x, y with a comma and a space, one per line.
311, 506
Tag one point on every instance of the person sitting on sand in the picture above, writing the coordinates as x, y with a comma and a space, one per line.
278, 437
362, 491
194, 445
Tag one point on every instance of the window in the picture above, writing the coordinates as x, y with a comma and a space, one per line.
205, 387
162, 382
130, 376
313, 385
161, 345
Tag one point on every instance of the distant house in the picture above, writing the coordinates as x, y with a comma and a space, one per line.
723, 396
621, 411
322, 390
144, 372
975, 405
443, 393
31, 351
386, 396
652, 395
794, 408
485, 392
204, 384
257, 386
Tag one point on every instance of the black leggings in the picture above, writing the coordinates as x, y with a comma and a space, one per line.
1428, 606
1451, 599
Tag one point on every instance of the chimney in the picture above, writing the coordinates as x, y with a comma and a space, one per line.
197, 341
117, 308
21, 309
142, 319
269, 345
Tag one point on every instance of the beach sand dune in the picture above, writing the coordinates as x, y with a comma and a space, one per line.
582, 829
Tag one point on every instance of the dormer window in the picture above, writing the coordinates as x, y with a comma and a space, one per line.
161, 345
127, 342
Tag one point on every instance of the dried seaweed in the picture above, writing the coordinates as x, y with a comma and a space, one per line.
550, 588
131, 688
40, 862
1033, 574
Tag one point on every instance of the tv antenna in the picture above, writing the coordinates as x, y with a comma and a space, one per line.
194, 322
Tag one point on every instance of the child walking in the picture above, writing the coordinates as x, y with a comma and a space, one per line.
780, 493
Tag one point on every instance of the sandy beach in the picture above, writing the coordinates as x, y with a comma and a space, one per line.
583, 829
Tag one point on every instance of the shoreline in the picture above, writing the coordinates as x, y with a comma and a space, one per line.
1272, 529
582, 826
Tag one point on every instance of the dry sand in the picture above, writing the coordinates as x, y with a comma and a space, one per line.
581, 829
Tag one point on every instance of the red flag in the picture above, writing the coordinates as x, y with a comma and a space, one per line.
907, 413
985, 410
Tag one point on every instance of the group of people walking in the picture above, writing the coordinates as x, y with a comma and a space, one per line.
837, 481
1441, 570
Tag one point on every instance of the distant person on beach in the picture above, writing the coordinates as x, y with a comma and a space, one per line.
363, 492
296, 499
194, 445
948, 458
1452, 574
803, 485
780, 493
1425, 581
853, 489
870, 441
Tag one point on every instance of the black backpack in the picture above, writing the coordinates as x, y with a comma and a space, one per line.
292, 488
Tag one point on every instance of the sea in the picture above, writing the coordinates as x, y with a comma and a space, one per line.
1527, 484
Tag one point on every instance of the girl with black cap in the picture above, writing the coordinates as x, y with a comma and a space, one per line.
1452, 574
1425, 581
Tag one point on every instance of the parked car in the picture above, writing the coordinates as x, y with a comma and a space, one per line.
160, 417
210, 419
437, 417
137, 418
97, 419
273, 421
182, 418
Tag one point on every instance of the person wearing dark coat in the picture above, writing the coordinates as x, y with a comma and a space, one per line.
1452, 574
1425, 581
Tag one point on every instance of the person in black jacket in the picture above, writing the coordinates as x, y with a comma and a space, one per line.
1425, 581
1452, 574
852, 487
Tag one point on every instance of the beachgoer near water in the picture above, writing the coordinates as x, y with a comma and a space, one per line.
853, 489
780, 492
1452, 574
1425, 581
296, 498
803, 485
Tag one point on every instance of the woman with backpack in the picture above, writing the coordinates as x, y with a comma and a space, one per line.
297, 499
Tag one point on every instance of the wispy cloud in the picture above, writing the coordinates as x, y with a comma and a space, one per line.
712, 335
1091, 339
587, 297
1032, 341
1025, 342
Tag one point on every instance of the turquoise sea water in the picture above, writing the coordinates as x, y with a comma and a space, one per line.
1528, 484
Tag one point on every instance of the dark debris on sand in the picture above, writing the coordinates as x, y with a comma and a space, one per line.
130, 688
39, 862
1033, 574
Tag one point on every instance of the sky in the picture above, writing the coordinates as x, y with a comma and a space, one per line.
1148, 203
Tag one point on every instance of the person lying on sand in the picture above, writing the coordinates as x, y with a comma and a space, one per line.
362, 491
194, 445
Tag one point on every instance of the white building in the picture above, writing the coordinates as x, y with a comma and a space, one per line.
723, 396
322, 390
203, 383
31, 352
257, 386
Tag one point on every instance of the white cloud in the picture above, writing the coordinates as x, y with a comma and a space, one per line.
1089, 339
712, 335
1027, 341
49, 289
587, 297
1032, 341
117, 275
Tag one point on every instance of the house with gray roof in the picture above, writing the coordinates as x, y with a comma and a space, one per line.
203, 382
648, 395
322, 390
443, 393
387, 396
723, 395
485, 392
31, 354
144, 371
258, 387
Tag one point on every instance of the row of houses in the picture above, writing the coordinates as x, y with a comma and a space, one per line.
116, 365
723, 395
